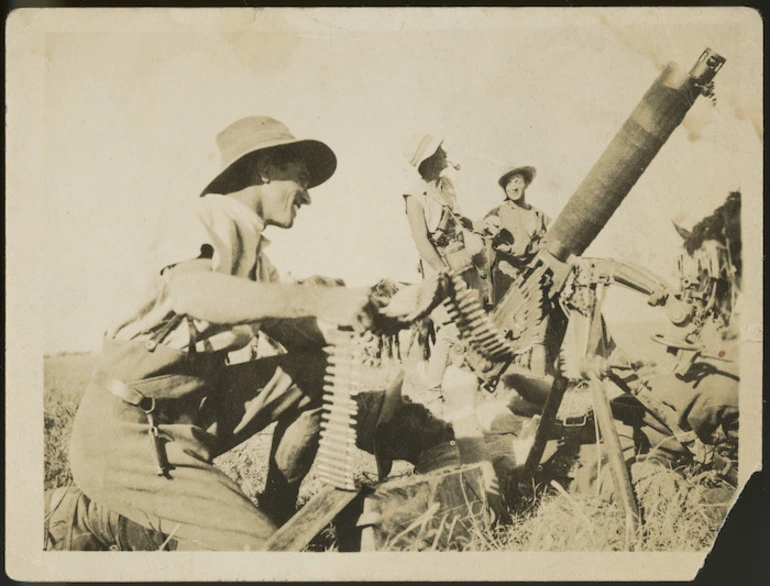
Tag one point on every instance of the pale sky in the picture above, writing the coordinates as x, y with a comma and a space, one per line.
131, 106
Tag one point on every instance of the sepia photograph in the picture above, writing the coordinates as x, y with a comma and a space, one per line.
396, 293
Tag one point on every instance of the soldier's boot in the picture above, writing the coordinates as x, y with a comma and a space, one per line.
74, 522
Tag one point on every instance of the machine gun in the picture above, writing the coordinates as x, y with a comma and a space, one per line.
534, 294
496, 339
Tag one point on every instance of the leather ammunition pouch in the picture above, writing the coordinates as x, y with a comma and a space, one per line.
576, 420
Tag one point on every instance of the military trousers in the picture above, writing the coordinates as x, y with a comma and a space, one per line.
113, 458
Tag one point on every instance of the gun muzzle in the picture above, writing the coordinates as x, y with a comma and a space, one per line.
629, 153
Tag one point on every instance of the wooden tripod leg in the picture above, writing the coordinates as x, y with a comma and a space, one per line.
657, 408
368, 542
621, 479
547, 418
319, 511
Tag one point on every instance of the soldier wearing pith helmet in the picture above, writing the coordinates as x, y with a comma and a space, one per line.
442, 237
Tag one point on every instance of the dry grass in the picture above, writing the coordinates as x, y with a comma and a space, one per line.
65, 377
682, 510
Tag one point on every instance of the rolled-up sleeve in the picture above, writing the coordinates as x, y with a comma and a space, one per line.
193, 232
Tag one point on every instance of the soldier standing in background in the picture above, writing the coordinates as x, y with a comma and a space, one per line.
440, 232
517, 230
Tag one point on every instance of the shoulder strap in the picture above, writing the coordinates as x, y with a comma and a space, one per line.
162, 333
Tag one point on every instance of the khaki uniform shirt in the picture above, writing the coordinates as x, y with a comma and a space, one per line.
525, 225
214, 225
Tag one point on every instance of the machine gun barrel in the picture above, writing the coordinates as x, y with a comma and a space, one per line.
605, 187
661, 110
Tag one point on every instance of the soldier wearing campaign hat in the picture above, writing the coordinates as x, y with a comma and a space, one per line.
163, 401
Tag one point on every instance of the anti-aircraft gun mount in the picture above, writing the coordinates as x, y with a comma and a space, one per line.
536, 292
495, 339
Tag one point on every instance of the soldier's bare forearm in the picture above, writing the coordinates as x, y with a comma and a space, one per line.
220, 298
419, 230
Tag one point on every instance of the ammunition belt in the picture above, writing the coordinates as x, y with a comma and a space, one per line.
337, 444
474, 323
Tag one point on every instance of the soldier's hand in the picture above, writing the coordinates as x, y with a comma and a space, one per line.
411, 303
491, 225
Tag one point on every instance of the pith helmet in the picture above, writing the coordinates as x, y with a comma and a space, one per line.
420, 147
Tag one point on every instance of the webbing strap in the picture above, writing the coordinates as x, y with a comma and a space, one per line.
191, 350
167, 386
118, 388
166, 329
160, 334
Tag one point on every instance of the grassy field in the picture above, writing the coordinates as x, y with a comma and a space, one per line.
65, 377
682, 510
